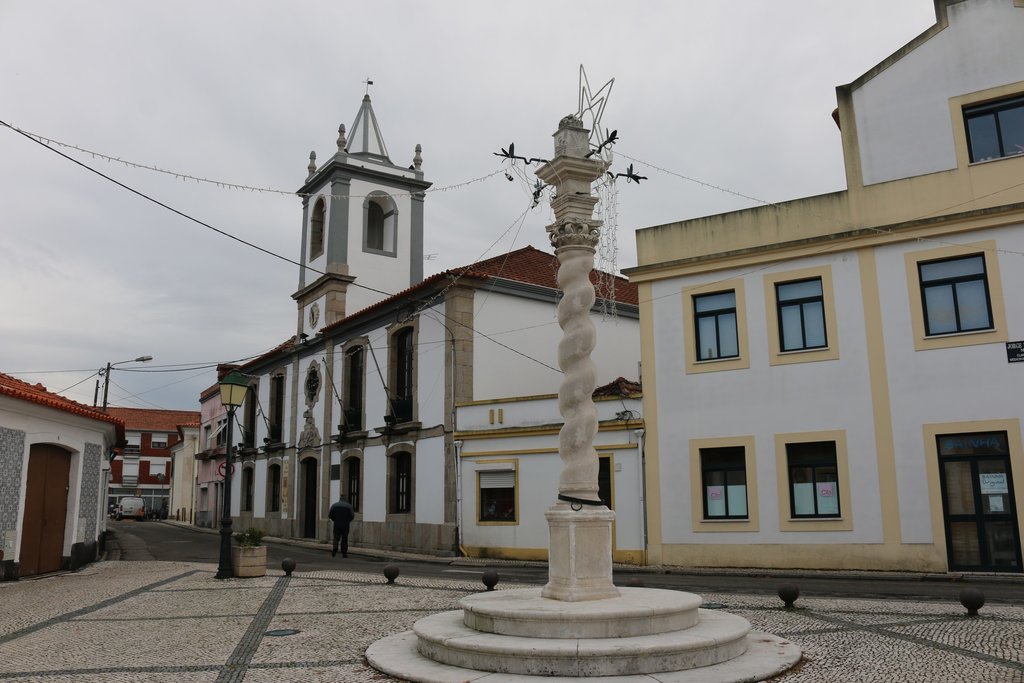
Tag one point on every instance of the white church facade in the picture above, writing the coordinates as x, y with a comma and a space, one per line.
361, 401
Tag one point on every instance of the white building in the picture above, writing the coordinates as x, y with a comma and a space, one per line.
846, 393
508, 470
183, 473
54, 465
362, 399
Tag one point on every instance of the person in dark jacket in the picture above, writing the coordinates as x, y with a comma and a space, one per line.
341, 513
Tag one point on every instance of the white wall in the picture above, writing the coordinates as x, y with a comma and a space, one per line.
764, 401
944, 385
43, 425
903, 116
531, 327
386, 273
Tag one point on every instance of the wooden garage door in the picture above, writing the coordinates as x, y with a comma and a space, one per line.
46, 510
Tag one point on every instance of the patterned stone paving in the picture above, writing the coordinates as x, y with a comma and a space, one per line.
160, 621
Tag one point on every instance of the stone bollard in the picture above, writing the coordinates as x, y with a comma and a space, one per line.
490, 578
788, 593
288, 565
391, 572
972, 599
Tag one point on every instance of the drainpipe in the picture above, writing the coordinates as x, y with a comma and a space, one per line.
641, 442
458, 496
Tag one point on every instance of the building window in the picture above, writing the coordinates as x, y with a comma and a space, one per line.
813, 479
316, 230
955, 295
353, 479
251, 406
158, 441
497, 495
724, 482
715, 324
276, 407
220, 436
380, 215
248, 489
995, 130
274, 484
355, 372
402, 384
801, 311
375, 227
401, 483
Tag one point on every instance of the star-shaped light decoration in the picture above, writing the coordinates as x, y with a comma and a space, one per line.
593, 103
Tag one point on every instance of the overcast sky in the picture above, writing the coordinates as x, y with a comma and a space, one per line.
733, 93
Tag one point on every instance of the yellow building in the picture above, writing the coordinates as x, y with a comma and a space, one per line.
831, 382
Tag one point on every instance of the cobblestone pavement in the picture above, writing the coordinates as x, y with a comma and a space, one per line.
164, 621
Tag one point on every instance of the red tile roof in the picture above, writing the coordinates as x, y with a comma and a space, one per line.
620, 386
145, 419
37, 393
527, 265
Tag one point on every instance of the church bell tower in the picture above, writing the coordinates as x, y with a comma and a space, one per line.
362, 226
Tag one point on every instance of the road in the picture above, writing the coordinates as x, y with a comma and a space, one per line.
142, 541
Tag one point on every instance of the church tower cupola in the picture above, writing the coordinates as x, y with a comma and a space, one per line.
362, 226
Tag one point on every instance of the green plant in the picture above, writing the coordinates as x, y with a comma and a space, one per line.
250, 538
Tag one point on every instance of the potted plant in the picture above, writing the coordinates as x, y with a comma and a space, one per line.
249, 555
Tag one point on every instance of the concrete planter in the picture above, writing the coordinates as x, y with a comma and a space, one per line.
249, 561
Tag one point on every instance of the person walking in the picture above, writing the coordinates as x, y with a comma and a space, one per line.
341, 513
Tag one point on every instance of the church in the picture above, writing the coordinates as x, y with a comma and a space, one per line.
362, 400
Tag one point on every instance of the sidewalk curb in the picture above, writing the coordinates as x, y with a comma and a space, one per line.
850, 575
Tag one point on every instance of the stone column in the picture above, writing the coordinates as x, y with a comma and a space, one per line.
580, 526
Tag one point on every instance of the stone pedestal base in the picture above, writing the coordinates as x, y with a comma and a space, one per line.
579, 554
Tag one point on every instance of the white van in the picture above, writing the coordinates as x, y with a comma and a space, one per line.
132, 508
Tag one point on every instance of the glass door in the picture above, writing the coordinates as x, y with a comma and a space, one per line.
977, 502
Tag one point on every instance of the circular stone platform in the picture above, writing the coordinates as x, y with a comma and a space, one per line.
636, 612
644, 634
766, 656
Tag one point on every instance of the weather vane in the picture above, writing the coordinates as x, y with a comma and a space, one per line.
368, 83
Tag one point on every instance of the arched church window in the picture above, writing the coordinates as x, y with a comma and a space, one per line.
375, 227
380, 222
316, 230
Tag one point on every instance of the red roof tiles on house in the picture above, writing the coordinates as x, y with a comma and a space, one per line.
37, 393
527, 265
145, 419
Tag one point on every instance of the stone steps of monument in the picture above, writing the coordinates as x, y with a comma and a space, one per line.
717, 637
636, 612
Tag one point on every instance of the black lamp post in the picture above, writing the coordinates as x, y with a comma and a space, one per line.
232, 392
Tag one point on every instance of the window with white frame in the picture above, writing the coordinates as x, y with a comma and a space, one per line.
497, 495
955, 295
813, 479
158, 440
724, 482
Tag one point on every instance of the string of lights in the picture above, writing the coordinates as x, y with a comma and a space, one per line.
223, 184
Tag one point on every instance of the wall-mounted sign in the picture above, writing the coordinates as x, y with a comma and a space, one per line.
1015, 352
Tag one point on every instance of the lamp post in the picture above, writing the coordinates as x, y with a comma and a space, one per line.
233, 388
106, 375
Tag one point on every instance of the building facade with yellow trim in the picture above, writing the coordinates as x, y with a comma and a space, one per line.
833, 382
508, 469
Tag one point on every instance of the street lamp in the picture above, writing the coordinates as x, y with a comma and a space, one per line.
106, 375
233, 388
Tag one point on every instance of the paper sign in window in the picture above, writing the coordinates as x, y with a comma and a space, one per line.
993, 483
